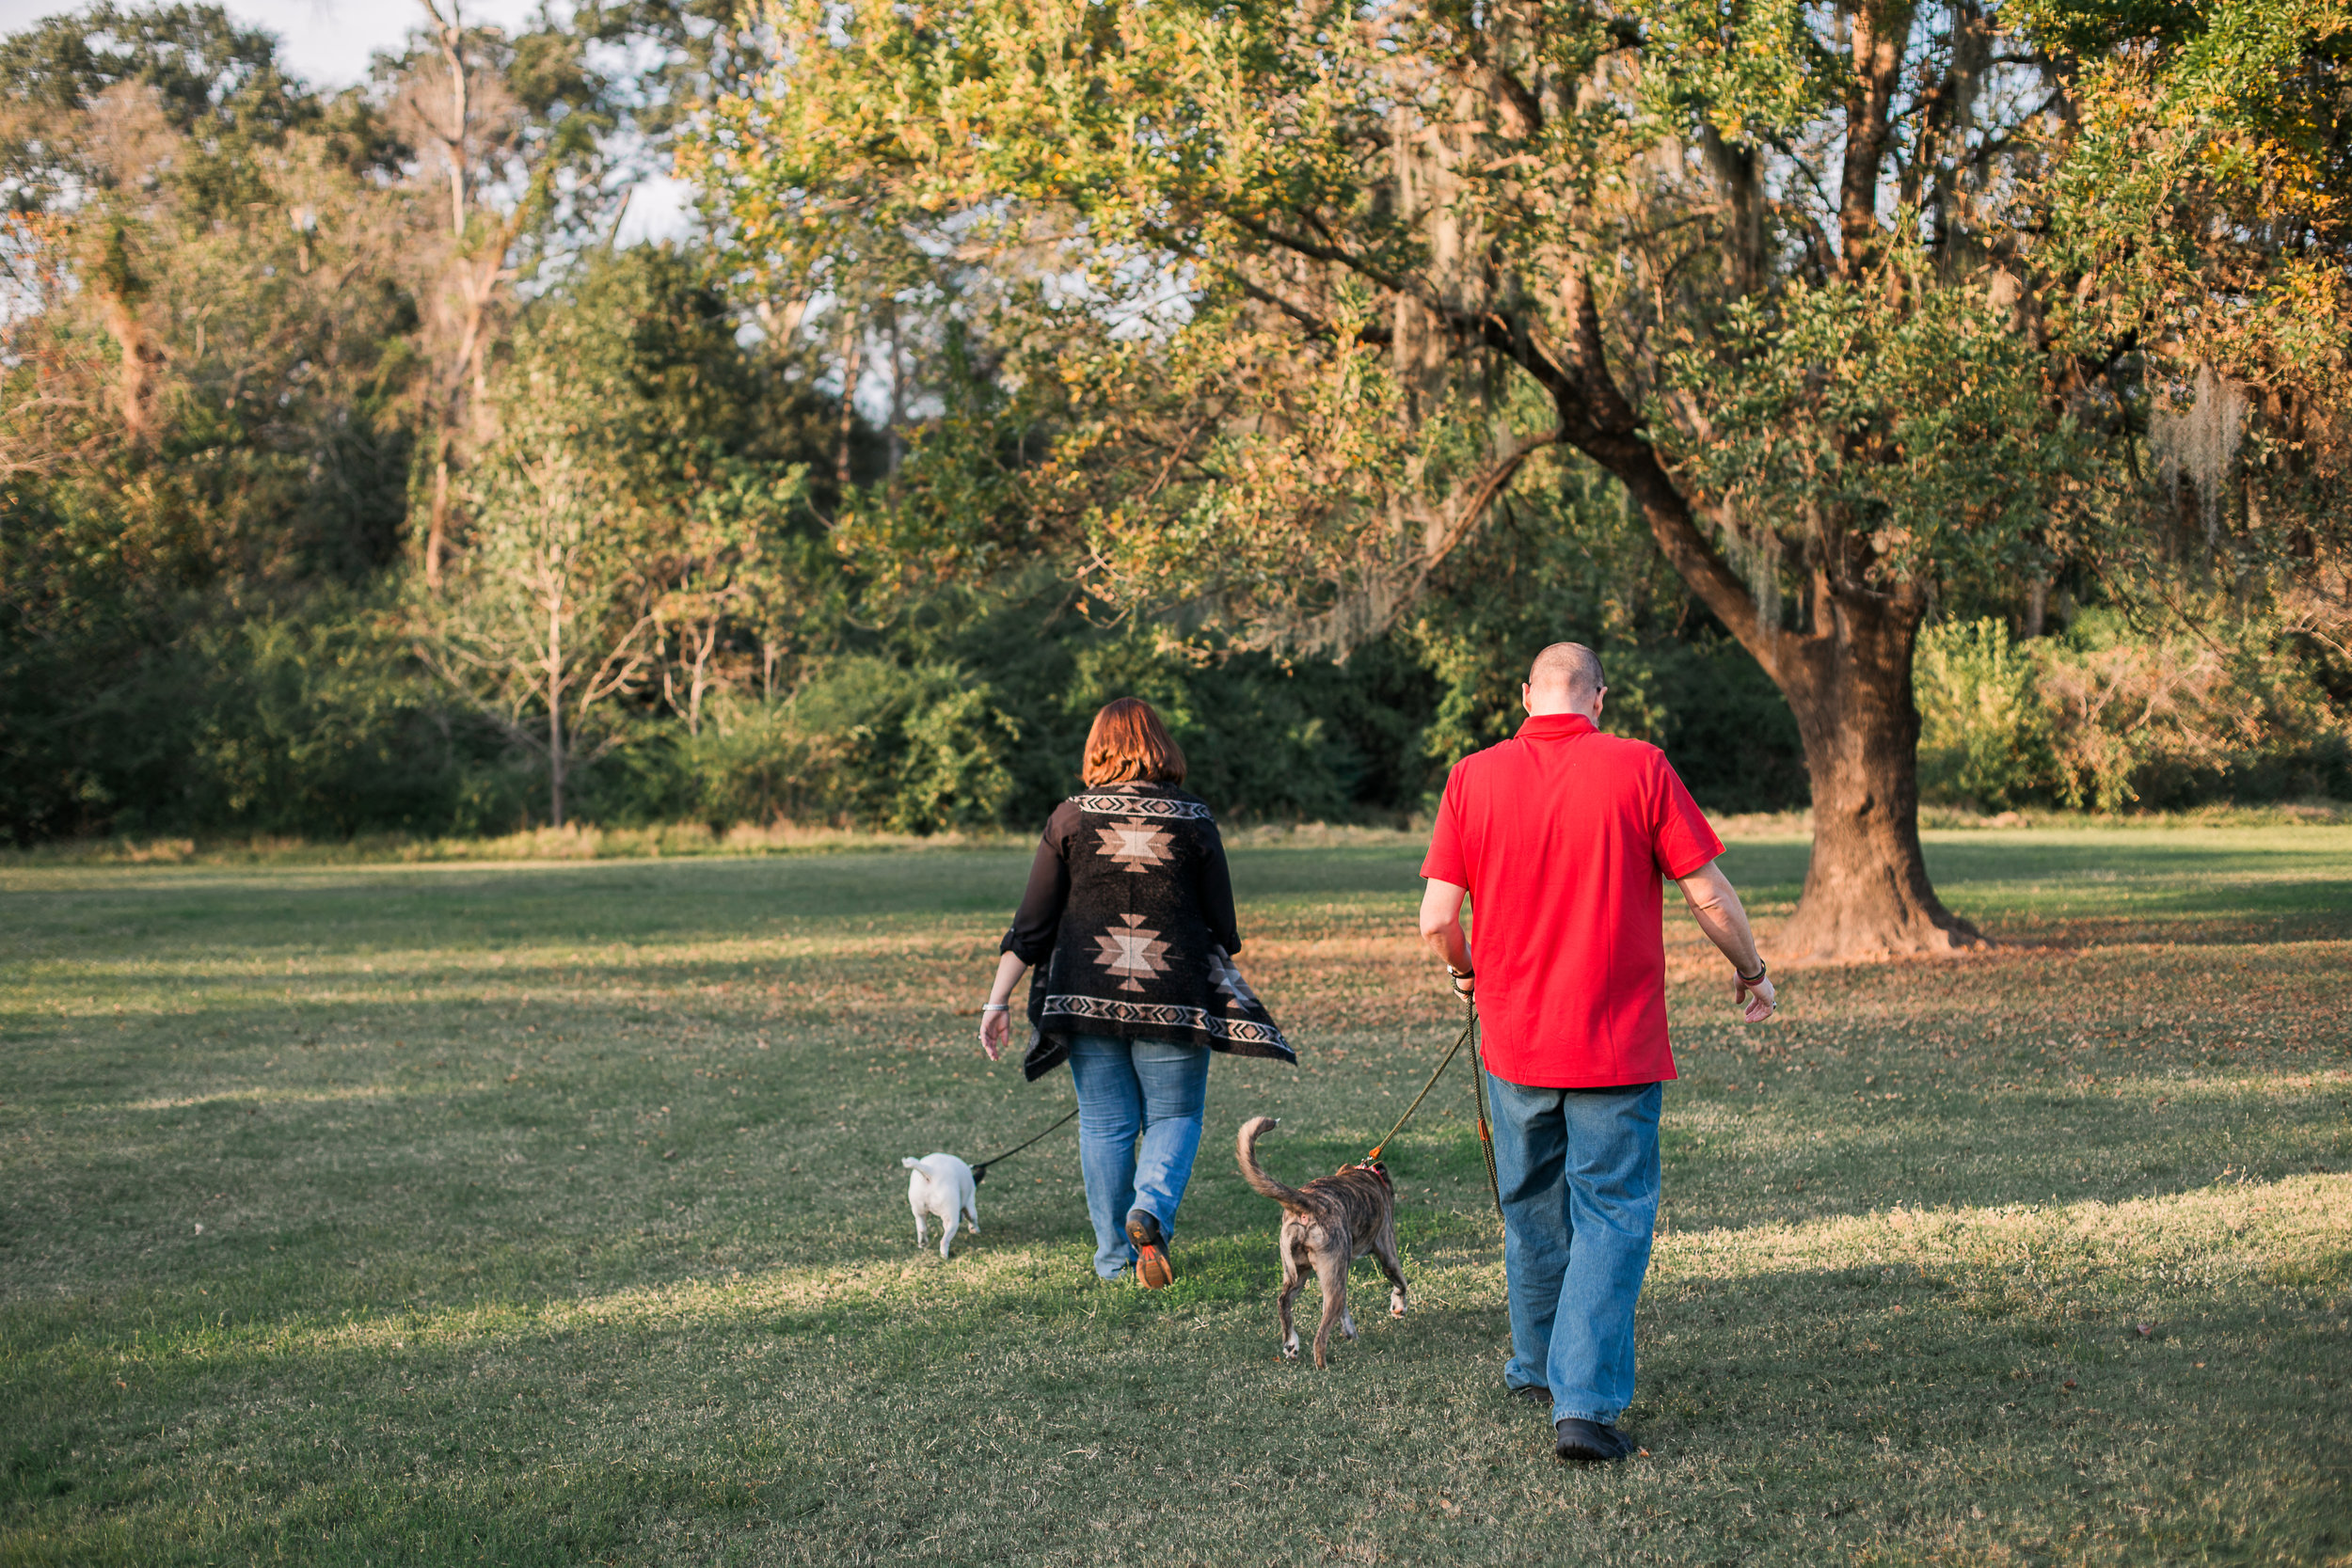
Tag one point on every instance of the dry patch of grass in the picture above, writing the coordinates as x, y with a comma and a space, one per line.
551, 1213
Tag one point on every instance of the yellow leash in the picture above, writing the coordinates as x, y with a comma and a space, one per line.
1485, 1134
1468, 1029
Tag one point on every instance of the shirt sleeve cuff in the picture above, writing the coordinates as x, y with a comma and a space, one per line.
1697, 860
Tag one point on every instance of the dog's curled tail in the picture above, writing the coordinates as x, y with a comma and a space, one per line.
911, 1161
1246, 1150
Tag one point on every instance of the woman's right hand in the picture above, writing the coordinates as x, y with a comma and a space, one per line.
995, 1025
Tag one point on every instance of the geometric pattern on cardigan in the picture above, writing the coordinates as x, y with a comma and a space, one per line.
1134, 951
1226, 975
1136, 845
1145, 805
1165, 1015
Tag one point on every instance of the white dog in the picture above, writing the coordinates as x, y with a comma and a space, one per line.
943, 1185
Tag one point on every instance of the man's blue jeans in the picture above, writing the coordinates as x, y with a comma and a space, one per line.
1579, 1173
1140, 1104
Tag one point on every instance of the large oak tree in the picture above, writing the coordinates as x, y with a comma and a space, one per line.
1291, 292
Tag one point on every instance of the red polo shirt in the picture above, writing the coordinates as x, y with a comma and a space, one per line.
1562, 834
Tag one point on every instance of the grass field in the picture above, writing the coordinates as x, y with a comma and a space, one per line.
551, 1213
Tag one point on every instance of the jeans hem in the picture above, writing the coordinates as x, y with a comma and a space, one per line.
1597, 1417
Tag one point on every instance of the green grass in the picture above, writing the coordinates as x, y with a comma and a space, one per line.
551, 1213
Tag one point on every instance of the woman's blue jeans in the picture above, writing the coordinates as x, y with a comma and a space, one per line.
1140, 1104
1577, 1170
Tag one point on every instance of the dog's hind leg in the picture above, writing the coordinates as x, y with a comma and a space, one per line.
922, 1230
972, 1213
1331, 1272
1383, 1250
1293, 1276
947, 1230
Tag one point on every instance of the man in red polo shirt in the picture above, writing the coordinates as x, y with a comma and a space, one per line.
1560, 837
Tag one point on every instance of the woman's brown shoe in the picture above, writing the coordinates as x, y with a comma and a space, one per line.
1152, 1270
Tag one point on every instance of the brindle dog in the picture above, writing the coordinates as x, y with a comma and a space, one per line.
1328, 1224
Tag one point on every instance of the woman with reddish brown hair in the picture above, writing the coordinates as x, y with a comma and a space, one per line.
1129, 919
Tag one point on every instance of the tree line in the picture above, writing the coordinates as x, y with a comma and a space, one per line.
1300, 369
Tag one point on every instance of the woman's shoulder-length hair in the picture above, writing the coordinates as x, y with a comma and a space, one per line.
1129, 744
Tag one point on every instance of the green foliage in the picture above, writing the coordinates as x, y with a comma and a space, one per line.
1901, 423
867, 743
320, 726
2110, 715
1570, 562
1983, 737
217, 83
2206, 204
632, 511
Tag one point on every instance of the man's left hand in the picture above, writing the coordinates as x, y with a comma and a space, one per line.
1757, 998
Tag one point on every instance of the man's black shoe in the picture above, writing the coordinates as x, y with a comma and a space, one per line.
1589, 1442
1533, 1393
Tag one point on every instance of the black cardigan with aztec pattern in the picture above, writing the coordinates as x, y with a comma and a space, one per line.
1128, 922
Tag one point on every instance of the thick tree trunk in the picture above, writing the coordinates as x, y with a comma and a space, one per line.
1866, 893
1847, 680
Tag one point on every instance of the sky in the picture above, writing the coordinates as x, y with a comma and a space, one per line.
327, 43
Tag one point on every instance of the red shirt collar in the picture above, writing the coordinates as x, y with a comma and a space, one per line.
1555, 726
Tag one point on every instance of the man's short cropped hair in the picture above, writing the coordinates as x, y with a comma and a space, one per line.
1569, 668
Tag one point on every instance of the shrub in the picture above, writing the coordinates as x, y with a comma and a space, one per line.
2106, 716
2226, 709
1983, 739
867, 743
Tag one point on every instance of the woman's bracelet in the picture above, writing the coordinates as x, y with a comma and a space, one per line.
1750, 979
995, 1007
1461, 974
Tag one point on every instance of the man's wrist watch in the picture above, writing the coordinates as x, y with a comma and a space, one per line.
1750, 979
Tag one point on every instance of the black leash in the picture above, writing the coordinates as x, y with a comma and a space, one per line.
979, 1172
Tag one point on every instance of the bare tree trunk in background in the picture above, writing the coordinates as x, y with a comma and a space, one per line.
450, 33
474, 277
701, 681
436, 532
1881, 28
852, 359
134, 380
897, 397
555, 698
118, 291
